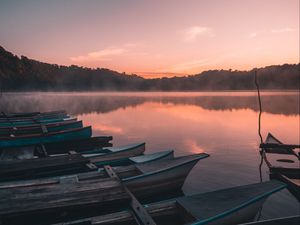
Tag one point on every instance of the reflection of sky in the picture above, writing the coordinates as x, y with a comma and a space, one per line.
229, 136
191, 128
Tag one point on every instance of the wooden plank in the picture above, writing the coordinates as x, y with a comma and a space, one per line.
141, 214
36, 198
58, 201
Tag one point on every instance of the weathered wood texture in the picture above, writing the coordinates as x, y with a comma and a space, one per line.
59, 201
39, 167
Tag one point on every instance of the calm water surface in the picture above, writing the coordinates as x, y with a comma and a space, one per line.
222, 124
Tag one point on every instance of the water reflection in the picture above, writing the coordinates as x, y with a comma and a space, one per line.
286, 103
221, 124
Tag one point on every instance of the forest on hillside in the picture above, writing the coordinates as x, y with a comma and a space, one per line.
24, 74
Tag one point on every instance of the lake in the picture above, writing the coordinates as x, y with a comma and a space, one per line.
222, 124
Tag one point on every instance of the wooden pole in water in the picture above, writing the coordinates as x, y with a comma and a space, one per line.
259, 133
260, 107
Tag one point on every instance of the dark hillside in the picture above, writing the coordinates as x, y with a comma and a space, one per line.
23, 74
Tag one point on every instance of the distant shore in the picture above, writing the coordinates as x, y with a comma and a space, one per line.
24, 74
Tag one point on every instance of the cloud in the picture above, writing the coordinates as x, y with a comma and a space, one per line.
103, 54
283, 30
108, 128
192, 33
193, 146
253, 35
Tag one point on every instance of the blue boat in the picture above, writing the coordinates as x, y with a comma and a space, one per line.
36, 118
34, 122
31, 114
38, 129
52, 137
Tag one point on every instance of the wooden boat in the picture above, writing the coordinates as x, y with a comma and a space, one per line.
291, 220
31, 114
25, 140
43, 167
100, 156
43, 150
274, 145
82, 145
57, 166
30, 126
54, 166
283, 163
34, 118
222, 207
38, 129
86, 192
33, 122
30, 167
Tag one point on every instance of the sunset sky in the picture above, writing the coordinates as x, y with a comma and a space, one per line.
153, 37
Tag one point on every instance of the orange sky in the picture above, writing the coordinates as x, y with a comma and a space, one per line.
153, 38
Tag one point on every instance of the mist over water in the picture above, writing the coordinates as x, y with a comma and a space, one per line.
102, 102
222, 124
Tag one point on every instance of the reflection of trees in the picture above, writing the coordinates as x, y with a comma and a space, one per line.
85, 103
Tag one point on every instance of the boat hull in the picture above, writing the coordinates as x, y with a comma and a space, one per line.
31, 114
31, 122
81, 133
162, 181
35, 118
283, 165
38, 129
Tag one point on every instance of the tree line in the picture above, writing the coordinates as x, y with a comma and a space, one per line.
23, 74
